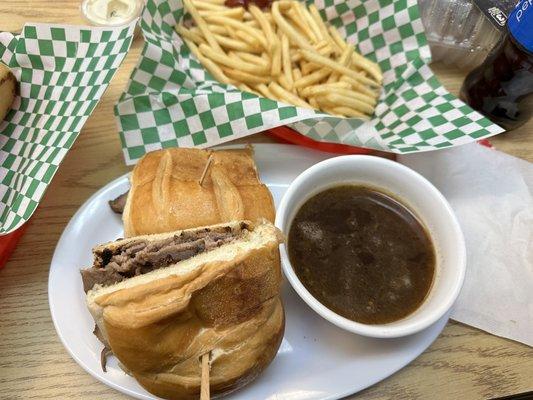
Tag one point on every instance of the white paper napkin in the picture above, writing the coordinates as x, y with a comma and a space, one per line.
491, 194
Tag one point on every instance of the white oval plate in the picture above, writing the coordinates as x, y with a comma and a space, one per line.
316, 359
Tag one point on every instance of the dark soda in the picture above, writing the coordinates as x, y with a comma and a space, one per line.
502, 87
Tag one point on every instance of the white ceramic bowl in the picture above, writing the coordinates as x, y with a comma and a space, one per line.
414, 191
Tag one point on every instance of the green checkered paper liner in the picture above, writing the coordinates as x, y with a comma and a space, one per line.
171, 100
62, 71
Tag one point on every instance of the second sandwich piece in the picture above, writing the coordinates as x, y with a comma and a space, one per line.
183, 188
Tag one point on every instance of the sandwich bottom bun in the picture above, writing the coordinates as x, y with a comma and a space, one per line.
240, 356
224, 302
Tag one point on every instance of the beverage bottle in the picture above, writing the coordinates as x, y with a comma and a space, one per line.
502, 87
462, 32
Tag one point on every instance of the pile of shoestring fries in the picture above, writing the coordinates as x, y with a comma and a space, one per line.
284, 53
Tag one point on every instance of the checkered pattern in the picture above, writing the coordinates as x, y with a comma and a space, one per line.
63, 72
172, 101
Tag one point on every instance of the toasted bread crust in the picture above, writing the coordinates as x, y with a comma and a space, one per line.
255, 353
166, 194
8, 87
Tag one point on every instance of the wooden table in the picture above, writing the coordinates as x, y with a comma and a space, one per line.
463, 362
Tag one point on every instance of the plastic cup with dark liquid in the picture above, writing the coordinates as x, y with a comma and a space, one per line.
502, 87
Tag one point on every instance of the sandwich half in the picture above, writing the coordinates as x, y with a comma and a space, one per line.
180, 188
160, 302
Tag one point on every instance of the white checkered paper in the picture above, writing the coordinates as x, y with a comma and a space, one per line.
171, 100
62, 73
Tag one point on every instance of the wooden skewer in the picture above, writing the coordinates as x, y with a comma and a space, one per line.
201, 181
204, 384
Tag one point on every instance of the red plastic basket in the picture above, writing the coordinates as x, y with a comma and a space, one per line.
9, 242
286, 134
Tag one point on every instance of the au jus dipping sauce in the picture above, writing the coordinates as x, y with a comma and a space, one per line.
362, 254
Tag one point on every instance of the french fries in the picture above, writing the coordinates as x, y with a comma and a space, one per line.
286, 53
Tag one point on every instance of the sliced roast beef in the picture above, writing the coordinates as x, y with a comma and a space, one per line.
139, 256
118, 204
92, 276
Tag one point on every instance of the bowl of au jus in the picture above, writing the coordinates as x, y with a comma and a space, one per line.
372, 246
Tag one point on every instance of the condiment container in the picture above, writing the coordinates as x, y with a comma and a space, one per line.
111, 13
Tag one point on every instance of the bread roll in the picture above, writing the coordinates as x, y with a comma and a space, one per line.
166, 193
223, 301
8, 85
